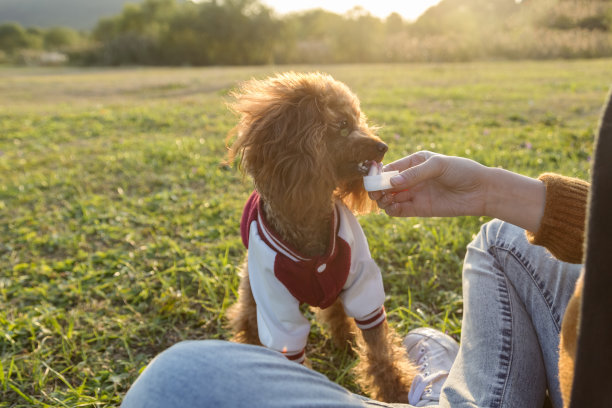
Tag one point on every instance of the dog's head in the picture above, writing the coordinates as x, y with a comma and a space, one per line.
302, 136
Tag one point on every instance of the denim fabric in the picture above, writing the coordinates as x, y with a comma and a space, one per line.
514, 296
213, 373
514, 293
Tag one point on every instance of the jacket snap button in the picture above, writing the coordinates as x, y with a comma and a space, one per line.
321, 268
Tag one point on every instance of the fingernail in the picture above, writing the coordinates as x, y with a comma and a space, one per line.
396, 179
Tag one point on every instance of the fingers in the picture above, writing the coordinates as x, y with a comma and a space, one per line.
403, 209
431, 168
400, 204
408, 161
389, 198
376, 195
395, 210
414, 169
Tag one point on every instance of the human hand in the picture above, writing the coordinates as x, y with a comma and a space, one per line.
434, 185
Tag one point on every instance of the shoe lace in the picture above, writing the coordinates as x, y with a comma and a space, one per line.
422, 382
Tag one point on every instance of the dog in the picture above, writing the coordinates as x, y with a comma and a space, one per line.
306, 144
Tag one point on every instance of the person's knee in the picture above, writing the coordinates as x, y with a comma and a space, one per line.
494, 226
177, 367
203, 353
206, 357
177, 358
189, 347
496, 232
181, 350
490, 246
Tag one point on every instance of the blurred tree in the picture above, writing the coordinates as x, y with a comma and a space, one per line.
149, 19
133, 37
359, 37
312, 35
186, 33
35, 38
465, 16
214, 32
569, 14
394, 24
322, 36
58, 38
232, 32
13, 37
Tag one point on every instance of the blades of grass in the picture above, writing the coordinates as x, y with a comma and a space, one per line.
60, 377
347, 363
54, 399
30, 400
225, 260
82, 386
2, 379
445, 323
13, 367
126, 344
70, 328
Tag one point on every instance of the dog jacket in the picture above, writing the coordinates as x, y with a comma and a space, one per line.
282, 279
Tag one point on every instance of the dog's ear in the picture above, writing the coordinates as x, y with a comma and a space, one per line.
279, 143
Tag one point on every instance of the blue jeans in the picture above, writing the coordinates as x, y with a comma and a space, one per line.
514, 298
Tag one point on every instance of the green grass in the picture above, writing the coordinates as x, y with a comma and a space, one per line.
119, 222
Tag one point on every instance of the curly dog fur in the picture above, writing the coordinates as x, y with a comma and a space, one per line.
304, 140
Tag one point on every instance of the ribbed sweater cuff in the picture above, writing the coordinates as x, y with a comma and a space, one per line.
562, 228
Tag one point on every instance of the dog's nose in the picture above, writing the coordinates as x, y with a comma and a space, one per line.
382, 147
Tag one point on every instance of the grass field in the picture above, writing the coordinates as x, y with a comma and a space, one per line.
119, 222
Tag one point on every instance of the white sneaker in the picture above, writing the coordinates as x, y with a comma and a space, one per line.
434, 353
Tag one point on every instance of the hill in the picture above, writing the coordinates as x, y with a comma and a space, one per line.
78, 14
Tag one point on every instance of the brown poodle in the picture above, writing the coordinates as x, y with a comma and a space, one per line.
306, 144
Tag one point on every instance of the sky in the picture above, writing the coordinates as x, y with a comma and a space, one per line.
409, 9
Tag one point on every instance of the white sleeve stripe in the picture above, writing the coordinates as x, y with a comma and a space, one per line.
373, 324
281, 247
276, 243
372, 320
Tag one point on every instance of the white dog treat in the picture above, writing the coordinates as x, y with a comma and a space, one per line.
377, 180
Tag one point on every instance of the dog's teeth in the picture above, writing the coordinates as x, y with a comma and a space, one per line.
374, 169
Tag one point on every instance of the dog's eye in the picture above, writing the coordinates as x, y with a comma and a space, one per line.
343, 125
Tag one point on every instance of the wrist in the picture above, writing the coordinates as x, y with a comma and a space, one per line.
514, 198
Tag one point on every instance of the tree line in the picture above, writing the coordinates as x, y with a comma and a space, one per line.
246, 32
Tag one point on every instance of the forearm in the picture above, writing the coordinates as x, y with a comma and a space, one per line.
514, 198
551, 209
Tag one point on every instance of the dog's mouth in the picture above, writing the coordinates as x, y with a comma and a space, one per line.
357, 163
364, 166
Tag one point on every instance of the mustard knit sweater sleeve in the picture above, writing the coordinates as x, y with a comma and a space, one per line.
563, 223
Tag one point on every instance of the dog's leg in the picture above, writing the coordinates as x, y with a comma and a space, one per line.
384, 370
242, 315
342, 329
